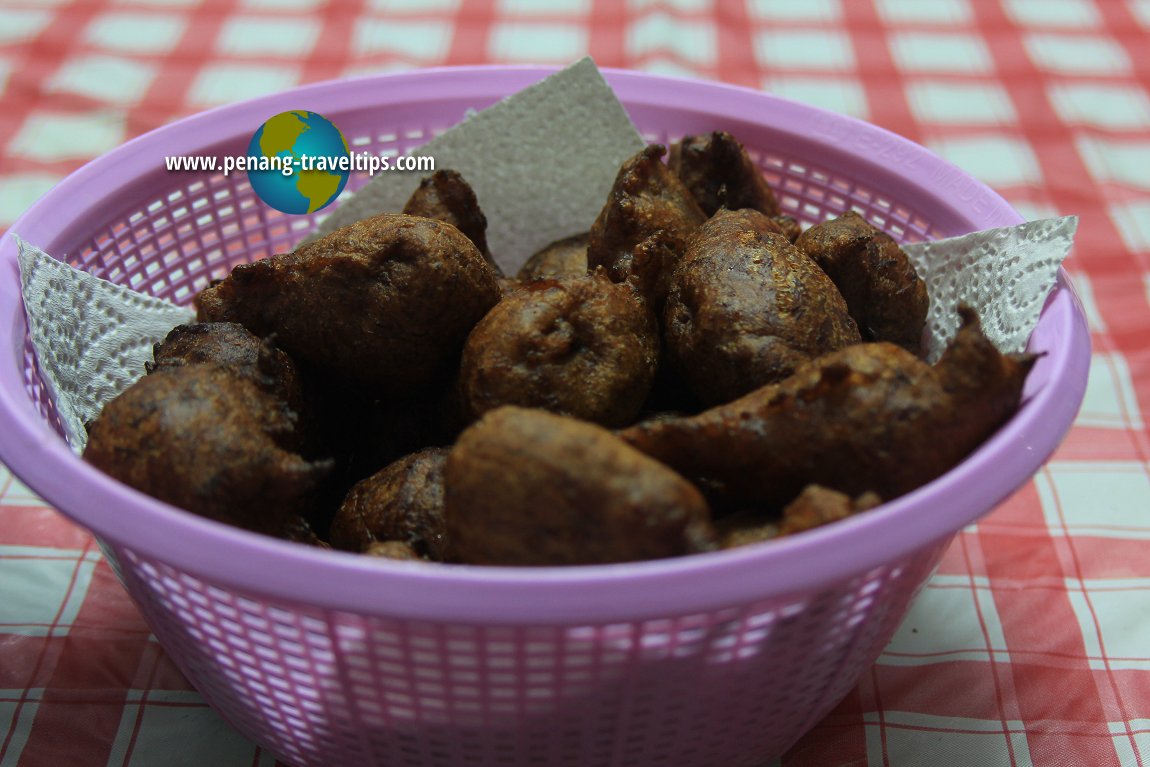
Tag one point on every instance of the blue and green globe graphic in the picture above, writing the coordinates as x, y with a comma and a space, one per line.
314, 147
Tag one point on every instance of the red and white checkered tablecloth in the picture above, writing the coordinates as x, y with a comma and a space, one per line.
1031, 644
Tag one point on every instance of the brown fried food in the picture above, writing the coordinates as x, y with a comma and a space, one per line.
446, 196
870, 417
392, 550
384, 304
886, 296
720, 174
815, 506
364, 435
653, 261
508, 285
646, 198
745, 527
790, 228
584, 346
746, 308
561, 259
232, 347
299, 530
207, 441
526, 487
402, 503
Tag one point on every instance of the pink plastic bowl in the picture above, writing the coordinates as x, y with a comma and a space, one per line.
328, 658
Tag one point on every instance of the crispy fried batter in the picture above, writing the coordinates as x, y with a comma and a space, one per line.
790, 228
563, 258
392, 550
870, 417
384, 304
299, 530
207, 441
526, 487
446, 196
745, 308
583, 346
646, 198
232, 347
815, 506
719, 174
886, 297
402, 503
746, 526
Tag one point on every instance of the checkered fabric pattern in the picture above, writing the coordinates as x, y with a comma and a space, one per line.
1031, 644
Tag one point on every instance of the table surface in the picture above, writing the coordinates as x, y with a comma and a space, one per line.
1031, 644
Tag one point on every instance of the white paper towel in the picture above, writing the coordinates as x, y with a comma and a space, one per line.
92, 337
1005, 274
571, 131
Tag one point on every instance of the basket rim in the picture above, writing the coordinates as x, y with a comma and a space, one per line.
786, 568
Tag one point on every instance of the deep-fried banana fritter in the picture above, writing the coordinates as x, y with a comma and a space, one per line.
646, 199
446, 196
870, 417
886, 296
384, 304
527, 487
560, 259
232, 347
790, 228
299, 530
814, 507
392, 550
205, 440
720, 174
585, 347
746, 308
402, 502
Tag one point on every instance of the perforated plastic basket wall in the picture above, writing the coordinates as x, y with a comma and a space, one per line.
329, 658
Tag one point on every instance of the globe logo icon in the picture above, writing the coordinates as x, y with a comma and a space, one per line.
298, 162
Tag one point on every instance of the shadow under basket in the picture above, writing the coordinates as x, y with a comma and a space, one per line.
327, 658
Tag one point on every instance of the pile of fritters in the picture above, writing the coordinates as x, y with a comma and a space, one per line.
693, 372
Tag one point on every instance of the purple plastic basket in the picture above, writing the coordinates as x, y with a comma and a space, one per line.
331, 658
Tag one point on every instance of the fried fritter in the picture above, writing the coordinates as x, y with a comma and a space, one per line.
508, 285
223, 344
403, 502
526, 487
392, 550
645, 199
232, 347
384, 304
653, 261
583, 346
815, 506
790, 228
870, 417
719, 174
446, 196
299, 530
745, 527
745, 308
886, 296
563, 258
210, 442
